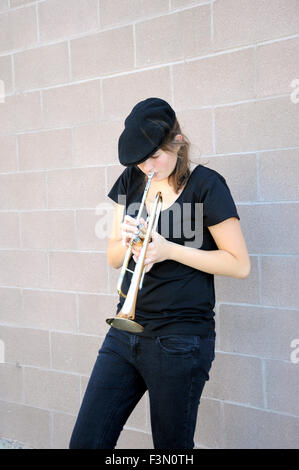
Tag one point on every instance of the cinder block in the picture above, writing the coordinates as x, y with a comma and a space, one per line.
113, 172
6, 75
236, 378
275, 168
127, 11
209, 424
71, 104
51, 390
25, 424
121, 93
253, 21
11, 378
8, 145
259, 331
191, 121
132, 439
78, 271
74, 353
183, 35
9, 230
18, 29
4, 5
277, 66
97, 144
75, 188
53, 230
240, 173
94, 227
45, 150
22, 191
93, 311
214, 80
258, 125
26, 346
41, 67
271, 228
229, 289
49, 310
279, 281
21, 112
282, 385
23, 269
81, 17
11, 305
251, 428
97, 54
63, 425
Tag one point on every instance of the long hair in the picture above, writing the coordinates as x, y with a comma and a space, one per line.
180, 175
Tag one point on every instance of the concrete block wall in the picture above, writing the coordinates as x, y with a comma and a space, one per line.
70, 72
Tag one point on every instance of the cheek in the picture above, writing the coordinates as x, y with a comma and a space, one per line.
169, 165
163, 163
169, 161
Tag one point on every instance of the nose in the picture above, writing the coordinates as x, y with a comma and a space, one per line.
148, 166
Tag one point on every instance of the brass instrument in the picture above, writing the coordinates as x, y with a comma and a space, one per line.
125, 319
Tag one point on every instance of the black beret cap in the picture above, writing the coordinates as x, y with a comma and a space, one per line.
142, 136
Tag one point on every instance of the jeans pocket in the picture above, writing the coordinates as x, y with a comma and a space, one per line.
176, 344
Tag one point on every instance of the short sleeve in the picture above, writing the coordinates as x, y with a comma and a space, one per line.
218, 204
119, 188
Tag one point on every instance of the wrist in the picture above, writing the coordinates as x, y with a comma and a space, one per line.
170, 250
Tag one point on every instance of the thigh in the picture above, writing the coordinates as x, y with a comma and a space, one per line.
113, 390
182, 369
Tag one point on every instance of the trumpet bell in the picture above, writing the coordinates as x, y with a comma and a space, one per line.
125, 324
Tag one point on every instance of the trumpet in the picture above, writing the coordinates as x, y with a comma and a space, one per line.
125, 319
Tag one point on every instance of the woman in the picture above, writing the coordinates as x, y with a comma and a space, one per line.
172, 357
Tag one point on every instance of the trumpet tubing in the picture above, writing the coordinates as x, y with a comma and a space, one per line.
125, 319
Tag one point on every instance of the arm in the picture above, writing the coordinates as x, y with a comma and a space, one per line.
115, 249
231, 258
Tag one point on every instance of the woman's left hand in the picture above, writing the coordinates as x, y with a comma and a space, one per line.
157, 250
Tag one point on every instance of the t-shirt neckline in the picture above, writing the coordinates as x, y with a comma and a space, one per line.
179, 196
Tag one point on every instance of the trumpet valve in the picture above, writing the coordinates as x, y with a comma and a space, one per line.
137, 241
142, 230
140, 236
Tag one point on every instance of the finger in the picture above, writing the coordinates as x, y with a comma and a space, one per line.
143, 222
130, 219
125, 237
129, 222
129, 228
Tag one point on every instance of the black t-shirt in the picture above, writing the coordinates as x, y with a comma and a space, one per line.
176, 298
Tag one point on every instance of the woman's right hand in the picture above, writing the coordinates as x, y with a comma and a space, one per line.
129, 228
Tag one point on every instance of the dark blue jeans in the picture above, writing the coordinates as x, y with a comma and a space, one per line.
172, 368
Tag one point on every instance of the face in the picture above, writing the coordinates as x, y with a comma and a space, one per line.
162, 163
